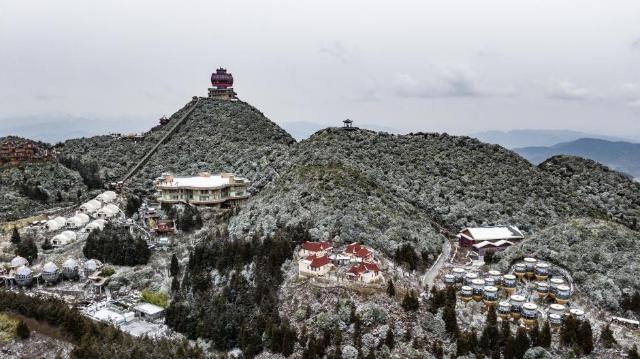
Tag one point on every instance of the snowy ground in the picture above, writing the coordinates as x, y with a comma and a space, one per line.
36, 346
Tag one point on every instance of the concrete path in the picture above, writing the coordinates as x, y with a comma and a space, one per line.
431, 274
162, 140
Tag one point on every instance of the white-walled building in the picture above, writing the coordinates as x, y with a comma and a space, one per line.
314, 266
224, 190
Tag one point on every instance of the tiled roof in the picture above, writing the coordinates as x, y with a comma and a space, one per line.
316, 246
317, 262
363, 253
363, 267
353, 248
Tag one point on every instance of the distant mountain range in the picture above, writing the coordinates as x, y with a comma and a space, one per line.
620, 156
530, 138
54, 128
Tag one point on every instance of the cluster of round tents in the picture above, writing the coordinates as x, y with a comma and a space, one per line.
82, 219
23, 275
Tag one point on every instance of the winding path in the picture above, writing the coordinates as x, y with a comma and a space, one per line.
430, 276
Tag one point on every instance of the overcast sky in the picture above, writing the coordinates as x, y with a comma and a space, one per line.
446, 66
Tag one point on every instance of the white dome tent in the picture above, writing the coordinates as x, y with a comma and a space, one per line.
96, 224
91, 266
106, 197
84, 219
23, 276
91, 206
55, 224
73, 222
63, 239
105, 212
18, 262
50, 272
70, 269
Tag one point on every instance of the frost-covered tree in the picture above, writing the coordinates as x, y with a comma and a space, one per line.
349, 352
391, 290
15, 235
606, 337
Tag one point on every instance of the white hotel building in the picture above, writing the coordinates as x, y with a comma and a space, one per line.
224, 190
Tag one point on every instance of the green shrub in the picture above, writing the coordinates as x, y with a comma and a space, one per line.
157, 298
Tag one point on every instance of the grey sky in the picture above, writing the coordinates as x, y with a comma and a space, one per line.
447, 66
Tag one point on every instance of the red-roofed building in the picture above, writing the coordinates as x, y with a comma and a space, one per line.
314, 266
358, 253
364, 272
317, 249
26, 151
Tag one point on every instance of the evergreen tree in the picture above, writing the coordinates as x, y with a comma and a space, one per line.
198, 221
585, 337
485, 341
337, 338
407, 335
568, 331
391, 290
472, 341
15, 236
410, 301
462, 345
545, 336
490, 338
437, 300
174, 268
175, 284
521, 343
27, 249
505, 332
450, 320
46, 245
450, 296
509, 348
534, 334
357, 332
389, 340
606, 337
438, 350
22, 330
131, 208
488, 256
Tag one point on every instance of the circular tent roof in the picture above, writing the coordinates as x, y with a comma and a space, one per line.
69, 234
49, 267
83, 217
24, 271
18, 261
92, 264
70, 263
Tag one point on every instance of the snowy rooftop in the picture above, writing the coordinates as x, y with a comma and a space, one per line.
108, 315
201, 181
486, 233
149, 309
493, 244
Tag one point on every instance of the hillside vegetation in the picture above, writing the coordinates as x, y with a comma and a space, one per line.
458, 181
338, 204
601, 255
32, 187
609, 191
221, 136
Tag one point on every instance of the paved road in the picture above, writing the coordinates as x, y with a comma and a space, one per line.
430, 276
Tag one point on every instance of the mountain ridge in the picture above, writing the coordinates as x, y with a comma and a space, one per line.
620, 155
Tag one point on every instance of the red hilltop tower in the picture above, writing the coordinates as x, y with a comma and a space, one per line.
222, 85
